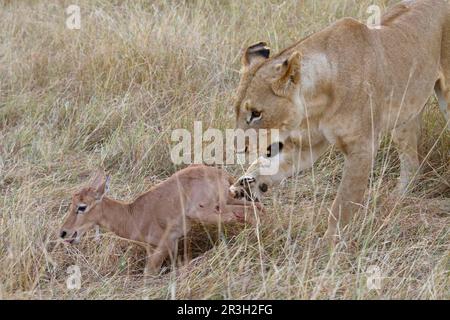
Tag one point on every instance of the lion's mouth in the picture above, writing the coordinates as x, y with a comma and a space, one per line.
241, 193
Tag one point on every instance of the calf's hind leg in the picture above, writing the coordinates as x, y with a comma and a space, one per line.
212, 216
223, 214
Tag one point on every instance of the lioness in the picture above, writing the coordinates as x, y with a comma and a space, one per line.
347, 85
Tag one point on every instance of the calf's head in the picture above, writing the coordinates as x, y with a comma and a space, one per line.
85, 209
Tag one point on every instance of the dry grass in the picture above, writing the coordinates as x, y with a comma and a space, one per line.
108, 96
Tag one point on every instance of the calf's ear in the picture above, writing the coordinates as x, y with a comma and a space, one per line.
255, 53
289, 77
101, 185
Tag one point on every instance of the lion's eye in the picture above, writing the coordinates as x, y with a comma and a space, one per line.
81, 208
256, 114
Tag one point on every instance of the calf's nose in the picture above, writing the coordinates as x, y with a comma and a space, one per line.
63, 234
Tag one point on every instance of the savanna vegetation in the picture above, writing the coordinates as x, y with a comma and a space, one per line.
109, 95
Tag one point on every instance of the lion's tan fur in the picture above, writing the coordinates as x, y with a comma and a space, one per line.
347, 85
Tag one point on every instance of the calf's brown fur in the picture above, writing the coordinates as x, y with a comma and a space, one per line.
160, 216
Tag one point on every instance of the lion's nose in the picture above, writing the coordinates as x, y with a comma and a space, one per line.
63, 234
263, 187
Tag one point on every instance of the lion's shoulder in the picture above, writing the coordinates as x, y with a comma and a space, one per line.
348, 25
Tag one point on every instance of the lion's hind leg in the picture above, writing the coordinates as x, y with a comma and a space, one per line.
443, 96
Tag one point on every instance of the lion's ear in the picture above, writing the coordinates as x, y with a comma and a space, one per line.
289, 77
255, 53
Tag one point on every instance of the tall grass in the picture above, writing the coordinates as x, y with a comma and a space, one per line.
109, 94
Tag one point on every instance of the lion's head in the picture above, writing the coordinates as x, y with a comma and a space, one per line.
267, 96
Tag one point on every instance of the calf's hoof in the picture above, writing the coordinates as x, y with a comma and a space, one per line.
150, 272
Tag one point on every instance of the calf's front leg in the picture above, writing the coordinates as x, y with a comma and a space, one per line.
156, 256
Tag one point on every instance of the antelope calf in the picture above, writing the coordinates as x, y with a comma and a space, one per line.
160, 216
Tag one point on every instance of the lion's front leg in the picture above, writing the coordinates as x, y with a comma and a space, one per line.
350, 196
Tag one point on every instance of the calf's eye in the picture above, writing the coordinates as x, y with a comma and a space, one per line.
81, 208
